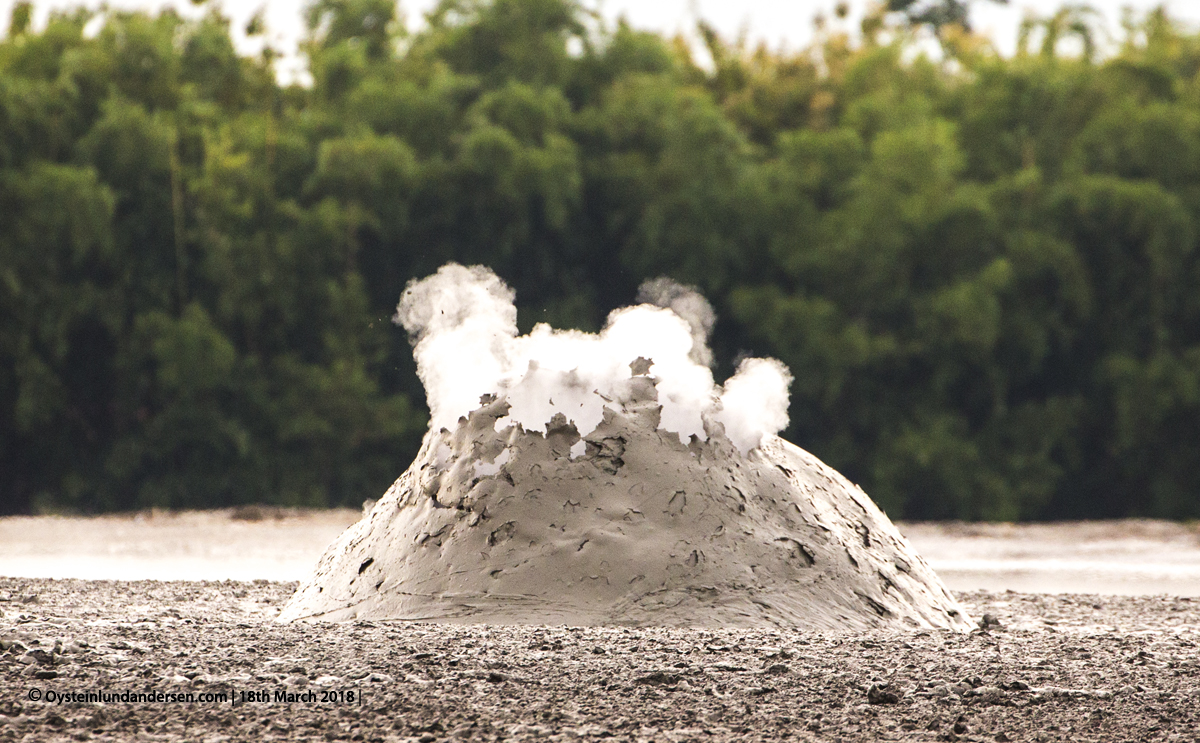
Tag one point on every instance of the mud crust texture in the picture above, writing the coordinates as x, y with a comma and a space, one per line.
1047, 668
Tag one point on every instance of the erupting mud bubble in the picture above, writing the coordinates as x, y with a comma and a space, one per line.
574, 478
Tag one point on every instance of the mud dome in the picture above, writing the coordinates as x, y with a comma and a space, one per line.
517, 527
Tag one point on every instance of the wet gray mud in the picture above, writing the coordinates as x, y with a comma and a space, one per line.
505, 527
1047, 668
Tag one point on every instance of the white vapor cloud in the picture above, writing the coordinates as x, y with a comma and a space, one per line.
463, 325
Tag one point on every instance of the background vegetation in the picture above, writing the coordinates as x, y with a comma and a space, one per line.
982, 271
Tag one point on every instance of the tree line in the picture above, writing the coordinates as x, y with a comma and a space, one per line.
981, 270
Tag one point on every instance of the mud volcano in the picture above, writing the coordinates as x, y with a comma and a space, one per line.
611, 492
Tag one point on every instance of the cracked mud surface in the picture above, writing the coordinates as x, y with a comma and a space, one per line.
1070, 668
506, 527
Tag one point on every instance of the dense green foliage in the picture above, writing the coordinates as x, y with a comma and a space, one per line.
982, 271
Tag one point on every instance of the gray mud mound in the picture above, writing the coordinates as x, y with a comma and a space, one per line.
631, 528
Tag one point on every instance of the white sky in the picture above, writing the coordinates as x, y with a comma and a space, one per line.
778, 22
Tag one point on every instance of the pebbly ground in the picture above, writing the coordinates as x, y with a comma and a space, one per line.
1070, 668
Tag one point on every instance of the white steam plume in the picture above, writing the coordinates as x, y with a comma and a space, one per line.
755, 401
688, 303
463, 325
462, 321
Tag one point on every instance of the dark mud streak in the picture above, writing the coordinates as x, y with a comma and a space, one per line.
865, 533
875, 605
502, 534
607, 453
798, 551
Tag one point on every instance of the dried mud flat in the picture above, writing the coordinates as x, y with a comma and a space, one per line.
1071, 668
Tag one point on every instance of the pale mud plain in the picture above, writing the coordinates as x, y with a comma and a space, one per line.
1064, 659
